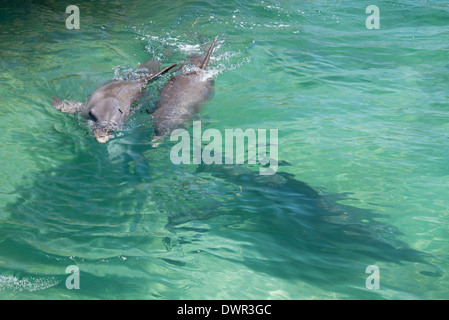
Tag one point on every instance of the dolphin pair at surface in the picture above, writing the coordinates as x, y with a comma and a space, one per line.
109, 106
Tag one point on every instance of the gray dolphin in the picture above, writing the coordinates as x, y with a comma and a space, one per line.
182, 97
109, 106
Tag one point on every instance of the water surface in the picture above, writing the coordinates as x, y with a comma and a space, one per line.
363, 146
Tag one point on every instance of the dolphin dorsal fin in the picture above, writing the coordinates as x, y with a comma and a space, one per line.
206, 60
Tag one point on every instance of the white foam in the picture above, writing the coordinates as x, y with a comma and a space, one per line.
189, 49
26, 284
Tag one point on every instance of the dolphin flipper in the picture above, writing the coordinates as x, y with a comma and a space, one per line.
154, 76
65, 106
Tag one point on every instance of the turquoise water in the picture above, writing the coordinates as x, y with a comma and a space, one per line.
363, 122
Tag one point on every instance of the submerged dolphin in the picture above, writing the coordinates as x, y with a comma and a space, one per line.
109, 106
182, 97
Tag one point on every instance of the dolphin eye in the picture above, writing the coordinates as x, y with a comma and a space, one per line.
92, 116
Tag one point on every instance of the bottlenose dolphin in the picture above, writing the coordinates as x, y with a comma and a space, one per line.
109, 106
182, 97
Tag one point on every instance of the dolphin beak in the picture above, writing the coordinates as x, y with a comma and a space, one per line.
102, 136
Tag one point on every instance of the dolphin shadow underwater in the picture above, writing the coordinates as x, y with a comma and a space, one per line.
126, 204
296, 232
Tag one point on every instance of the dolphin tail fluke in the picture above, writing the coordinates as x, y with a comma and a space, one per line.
206, 60
160, 73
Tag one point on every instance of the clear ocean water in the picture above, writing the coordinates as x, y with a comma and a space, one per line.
363, 123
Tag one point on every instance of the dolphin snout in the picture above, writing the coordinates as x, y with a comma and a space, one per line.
102, 136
